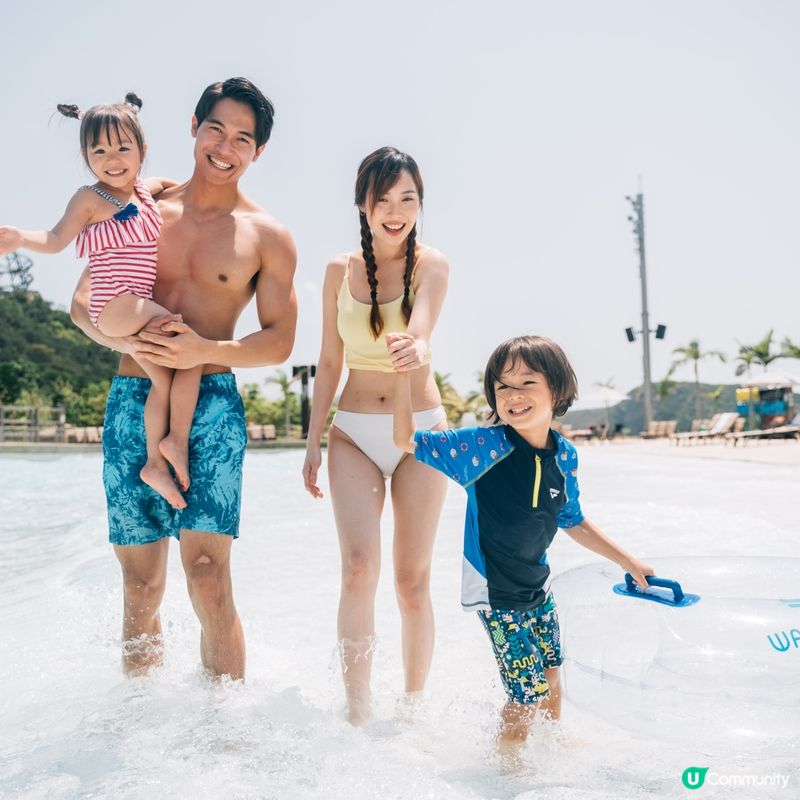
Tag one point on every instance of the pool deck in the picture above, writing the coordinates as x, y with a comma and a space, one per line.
781, 452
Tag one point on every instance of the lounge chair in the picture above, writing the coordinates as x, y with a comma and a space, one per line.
660, 429
790, 431
723, 425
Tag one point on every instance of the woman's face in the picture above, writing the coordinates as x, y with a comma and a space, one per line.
393, 214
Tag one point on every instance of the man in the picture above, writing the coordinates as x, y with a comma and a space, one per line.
216, 250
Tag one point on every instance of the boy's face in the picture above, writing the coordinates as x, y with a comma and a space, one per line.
523, 398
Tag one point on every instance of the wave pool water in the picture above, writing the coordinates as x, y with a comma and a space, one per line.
73, 727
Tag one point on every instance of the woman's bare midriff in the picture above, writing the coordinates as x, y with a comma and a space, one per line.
372, 392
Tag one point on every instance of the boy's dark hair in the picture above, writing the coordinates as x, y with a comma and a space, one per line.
243, 91
539, 354
110, 120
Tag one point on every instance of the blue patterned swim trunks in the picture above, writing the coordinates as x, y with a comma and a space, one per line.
139, 515
525, 644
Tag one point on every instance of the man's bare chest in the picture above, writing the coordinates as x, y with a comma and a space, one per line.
216, 253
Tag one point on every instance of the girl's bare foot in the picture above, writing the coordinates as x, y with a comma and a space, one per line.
157, 477
178, 457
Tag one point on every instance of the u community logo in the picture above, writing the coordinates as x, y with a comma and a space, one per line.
695, 778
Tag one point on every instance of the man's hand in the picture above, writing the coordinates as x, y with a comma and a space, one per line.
173, 344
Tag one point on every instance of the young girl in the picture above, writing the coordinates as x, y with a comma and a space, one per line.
117, 225
393, 283
522, 485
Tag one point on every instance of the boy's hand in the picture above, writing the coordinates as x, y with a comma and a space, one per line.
638, 571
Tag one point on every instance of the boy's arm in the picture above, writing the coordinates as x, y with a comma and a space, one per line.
588, 535
404, 426
78, 213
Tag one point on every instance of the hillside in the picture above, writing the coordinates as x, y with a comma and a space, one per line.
43, 355
679, 405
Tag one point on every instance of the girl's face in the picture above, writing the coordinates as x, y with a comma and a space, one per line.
393, 215
523, 398
115, 162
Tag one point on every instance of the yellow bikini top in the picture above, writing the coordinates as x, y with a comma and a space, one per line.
361, 351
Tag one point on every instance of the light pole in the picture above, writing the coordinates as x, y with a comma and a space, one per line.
304, 371
637, 221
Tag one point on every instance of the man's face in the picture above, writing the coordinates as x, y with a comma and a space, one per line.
225, 141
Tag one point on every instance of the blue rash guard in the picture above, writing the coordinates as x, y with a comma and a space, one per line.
517, 498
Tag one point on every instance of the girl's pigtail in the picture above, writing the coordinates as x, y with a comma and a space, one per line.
411, 247
69, 111
375, 320
134, 101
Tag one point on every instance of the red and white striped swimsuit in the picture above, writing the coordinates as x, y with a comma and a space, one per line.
122, 253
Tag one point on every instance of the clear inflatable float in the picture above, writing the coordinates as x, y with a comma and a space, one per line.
708, 657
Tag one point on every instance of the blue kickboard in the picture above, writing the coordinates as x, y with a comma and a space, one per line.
674, 596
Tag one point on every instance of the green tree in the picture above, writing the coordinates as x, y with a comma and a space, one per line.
693, 354
790, 349
288, 399
759, 353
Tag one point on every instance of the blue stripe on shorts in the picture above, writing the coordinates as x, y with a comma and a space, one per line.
139, 515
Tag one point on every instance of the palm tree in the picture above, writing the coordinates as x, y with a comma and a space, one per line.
693, 353
285, 382
790, 349
454, 404
759, 353
666, 386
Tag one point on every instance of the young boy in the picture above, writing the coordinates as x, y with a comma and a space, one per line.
521, 482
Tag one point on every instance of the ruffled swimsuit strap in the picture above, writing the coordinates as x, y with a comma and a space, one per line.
125, 212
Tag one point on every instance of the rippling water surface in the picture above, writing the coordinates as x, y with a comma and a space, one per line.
73, 727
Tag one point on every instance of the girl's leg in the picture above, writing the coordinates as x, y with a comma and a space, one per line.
124, 316
155, 473
128, 314
357, 492
182, 403
417, 498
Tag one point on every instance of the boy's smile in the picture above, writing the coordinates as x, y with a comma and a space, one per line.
525, 402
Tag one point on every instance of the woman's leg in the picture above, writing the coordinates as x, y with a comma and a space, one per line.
358, 490
124, 316
417, 498
182, 403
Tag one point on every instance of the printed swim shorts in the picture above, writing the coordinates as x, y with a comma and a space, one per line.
139, 515
525, 644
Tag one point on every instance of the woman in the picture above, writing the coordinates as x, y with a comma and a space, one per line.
395, 285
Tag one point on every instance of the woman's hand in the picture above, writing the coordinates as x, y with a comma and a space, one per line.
10, 239
406, 352
311, 469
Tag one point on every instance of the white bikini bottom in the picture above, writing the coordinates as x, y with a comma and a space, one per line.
373, 434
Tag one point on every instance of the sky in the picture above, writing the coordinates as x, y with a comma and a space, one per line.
530, 121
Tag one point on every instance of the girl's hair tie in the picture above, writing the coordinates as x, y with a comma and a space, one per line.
71, 111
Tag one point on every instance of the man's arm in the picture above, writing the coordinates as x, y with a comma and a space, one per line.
79, 313
276, 304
